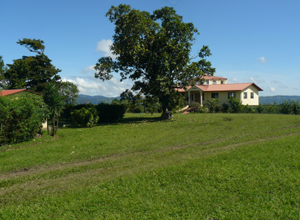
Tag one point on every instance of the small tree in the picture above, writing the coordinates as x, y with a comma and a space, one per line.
55, 104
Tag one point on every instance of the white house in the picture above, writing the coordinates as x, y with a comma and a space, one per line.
213, 87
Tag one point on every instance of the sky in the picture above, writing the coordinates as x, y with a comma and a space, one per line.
250, 40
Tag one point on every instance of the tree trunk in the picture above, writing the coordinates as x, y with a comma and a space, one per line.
53, 125
166, 114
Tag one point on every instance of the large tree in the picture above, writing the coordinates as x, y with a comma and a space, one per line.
2, 71
153, 50
31, 72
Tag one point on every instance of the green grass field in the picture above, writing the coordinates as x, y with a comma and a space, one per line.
195, 166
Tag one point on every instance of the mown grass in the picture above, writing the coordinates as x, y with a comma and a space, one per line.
197, 166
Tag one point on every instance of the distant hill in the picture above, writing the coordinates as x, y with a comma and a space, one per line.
262, 99
94, 99
278, 99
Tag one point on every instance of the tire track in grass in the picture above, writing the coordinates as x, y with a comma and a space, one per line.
44, 169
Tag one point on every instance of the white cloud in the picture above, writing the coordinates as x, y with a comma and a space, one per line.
263, 60
91, 86
104, 46
272, 89
88, 69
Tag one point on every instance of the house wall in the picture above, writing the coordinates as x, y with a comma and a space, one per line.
248, 100
223, 96
217, 82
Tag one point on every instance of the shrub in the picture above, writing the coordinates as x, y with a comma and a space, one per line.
224, 107
235, 105
246, 109
212, 105
285, 107
21, 117
260, 108
110, 112
295, 107
197, 108
271, 108
85, 117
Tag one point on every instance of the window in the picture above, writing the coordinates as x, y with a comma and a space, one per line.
231, 94
207, 82
214, 95
192, 96
203, 96
222, 82
252, 95
214, 82
245, 95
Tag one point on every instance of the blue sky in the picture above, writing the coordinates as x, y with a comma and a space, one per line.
251, 40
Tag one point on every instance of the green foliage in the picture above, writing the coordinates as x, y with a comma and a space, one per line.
69, 91
286, 107
246, 109
3, 69
55, 104
212, 105
295, 107
33, 72
235, 105
271, 108
224, 107
33, 45
154, 51
21, 117
85, 117
110, 112
197, 108
260, 108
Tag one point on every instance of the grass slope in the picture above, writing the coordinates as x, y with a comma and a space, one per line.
198, 166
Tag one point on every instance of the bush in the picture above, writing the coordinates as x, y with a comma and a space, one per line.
224, 107
260, 108
110, 112
246, 109
285, 107
197, 108
85, 117
271, 108
235, 105
295, 107
21, 117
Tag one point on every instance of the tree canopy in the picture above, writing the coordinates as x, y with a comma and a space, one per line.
31, 72
153, 50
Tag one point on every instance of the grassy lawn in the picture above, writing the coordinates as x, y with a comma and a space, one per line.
195, 166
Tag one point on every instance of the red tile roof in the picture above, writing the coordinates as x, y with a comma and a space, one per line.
11, 91
221, 87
